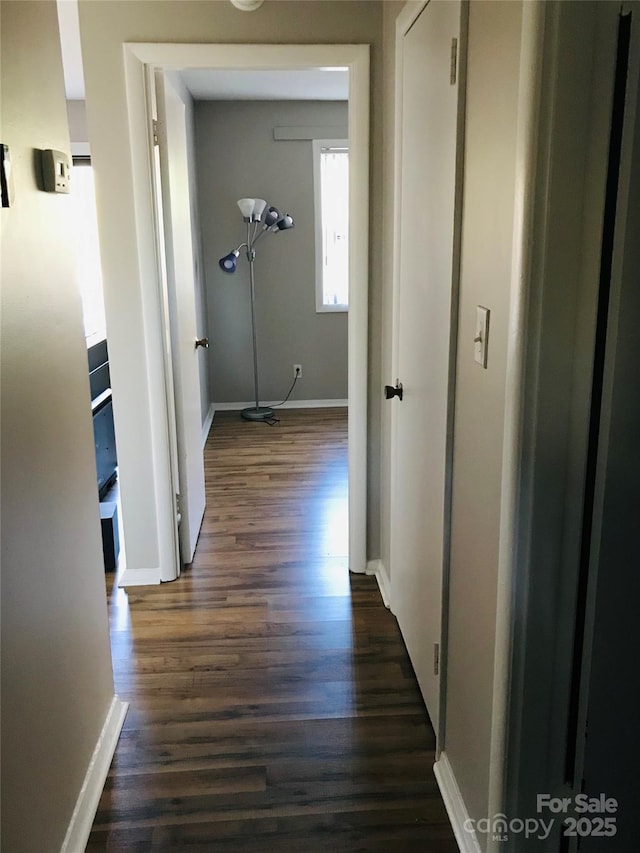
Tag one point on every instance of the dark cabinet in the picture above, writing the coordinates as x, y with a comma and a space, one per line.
102, 411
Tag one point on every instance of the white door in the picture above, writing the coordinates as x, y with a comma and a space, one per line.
423, 335
181, 297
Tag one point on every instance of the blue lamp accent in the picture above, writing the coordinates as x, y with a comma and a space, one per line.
285, 222
271, 217
229, 262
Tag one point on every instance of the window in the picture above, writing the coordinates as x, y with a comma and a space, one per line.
331, 189
88, 249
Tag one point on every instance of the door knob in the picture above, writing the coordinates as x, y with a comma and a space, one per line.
390, 391
202, 342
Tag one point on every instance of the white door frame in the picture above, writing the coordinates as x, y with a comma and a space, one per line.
404, 22
138, 59
180, 316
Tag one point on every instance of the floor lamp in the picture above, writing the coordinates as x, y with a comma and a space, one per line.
258, 222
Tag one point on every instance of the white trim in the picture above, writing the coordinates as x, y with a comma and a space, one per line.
317, 145
377, 568
206, 426
330, 309
290, 404
531, 57
354, 57
456, 808
405, 20
159, 530
86, 807
140, 577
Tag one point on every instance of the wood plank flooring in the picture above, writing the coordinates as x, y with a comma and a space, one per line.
273, 705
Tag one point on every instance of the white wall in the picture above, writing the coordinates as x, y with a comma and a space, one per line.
486, 247
104, 27
233, 163
57, 682
485, 279
79, 133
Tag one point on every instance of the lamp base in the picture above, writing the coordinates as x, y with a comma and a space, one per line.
259, 413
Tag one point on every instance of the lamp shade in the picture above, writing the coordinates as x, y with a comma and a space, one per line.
285, 222
259, 205
271, 217
246, 207
229, 262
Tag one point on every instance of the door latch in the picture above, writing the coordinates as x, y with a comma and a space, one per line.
390, 391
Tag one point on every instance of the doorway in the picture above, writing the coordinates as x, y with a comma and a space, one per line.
141, 63
220, 135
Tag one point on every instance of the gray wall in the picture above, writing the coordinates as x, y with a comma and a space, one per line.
237, 156
57, 683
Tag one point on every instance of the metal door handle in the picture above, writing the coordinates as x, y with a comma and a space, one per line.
202, 342
390, 391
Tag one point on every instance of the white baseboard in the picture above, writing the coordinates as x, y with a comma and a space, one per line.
206, 426
456, 809
377, 568
290, 404
139, 577
75, 841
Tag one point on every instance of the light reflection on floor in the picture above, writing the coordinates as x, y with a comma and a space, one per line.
119, 610
334, 527
329, 543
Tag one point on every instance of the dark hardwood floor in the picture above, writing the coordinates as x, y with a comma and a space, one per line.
273, 705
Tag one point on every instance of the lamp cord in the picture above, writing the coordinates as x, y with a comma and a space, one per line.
293, 385
274, 421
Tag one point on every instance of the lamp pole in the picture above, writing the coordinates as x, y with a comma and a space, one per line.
252, 210
259, 413
251, 255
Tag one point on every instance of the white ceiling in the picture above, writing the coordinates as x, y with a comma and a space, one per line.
71, 52
309, 84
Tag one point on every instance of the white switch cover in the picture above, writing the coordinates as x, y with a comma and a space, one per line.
481, 339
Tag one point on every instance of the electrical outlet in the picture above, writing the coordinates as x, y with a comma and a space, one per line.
297, 371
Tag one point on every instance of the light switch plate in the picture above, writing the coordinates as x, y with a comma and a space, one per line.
56, 168
481, 338
6, 177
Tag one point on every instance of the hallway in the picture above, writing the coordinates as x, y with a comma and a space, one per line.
272, 703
